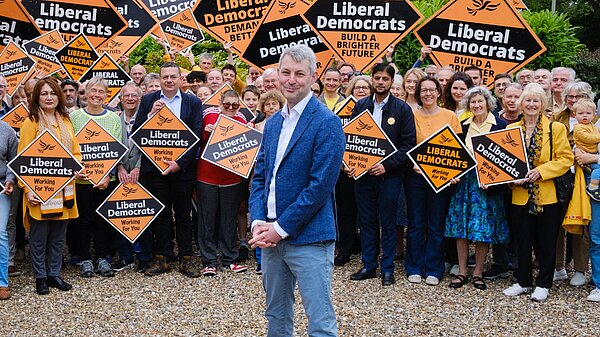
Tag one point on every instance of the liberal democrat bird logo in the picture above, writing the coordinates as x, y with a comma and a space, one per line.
104, 64
509, 140
443, 139
10, 53
44, 147
163, 120
286, 5
91, 133
51, 40
128, 191
363, 126
185, 18
115, 44
225, 129
481, 5
18, 119
79, 43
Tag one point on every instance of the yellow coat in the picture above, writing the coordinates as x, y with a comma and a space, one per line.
562, 160
28, 133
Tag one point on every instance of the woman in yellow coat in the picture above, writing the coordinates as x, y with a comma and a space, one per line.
535, 211
48, 223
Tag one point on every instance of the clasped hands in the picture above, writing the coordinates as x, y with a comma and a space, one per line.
264, 235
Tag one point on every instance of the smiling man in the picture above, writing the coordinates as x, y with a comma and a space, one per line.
292, 202
173, 187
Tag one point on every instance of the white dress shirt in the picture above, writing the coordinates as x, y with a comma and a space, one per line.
378, 109
290, 120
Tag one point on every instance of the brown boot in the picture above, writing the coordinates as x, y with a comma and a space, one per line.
187, 268
159, 266
4, 293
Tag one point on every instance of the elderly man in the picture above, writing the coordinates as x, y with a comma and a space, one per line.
292, 202
270, 81
561, 76
214, 79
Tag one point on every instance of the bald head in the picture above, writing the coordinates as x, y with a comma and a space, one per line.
137, 73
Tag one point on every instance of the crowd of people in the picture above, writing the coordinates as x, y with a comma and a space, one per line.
376, 214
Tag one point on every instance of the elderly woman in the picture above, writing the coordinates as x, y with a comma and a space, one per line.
573, 92
535, 211
455, 90
411, 78
427, 209
396, 89
8, 150
91, 195
476, 213
269, 103
218, 197
359, 87
47, 234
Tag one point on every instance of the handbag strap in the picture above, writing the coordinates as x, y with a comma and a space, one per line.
551, 142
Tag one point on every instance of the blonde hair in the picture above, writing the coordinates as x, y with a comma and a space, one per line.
534, 90
584, 103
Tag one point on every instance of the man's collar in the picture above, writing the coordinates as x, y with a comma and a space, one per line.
385, 100
299, 107
178, 94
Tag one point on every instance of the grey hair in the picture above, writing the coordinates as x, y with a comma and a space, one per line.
534, 90
268, 71
581, 87
97, 80
524, 70
207, 56
571, 72
490, 101
299, 53
150, 78
515, 85
133, 84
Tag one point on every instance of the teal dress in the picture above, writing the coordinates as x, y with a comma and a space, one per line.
476, 214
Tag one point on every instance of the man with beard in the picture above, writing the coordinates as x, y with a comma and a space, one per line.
71, 90
377, 191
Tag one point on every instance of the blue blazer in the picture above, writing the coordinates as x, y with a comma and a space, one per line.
191, 115
306, 177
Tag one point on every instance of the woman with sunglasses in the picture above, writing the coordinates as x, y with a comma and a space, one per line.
219, 192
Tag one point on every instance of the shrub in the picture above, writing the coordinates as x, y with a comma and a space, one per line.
587, 66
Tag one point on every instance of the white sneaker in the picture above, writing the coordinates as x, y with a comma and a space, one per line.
432, 280
539, 294
578, 279
594, 296
414, 279
515, 290
454, 271
560, 275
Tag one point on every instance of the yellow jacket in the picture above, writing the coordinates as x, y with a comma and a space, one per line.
28, 133
562, 160
579, 212
563, 117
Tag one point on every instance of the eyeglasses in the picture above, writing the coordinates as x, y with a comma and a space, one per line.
365, 88
131, 96
575, 97
426, 90
228, 105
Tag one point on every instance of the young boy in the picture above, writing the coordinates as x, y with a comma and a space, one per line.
587, 138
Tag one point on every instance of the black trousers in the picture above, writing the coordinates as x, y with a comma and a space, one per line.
537, 232
176, 194
91, 224
347, 215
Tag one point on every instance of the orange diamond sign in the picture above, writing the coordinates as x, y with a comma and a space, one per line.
111, 71
366, 144
233, 146
45, 166
16, 65
100, 151
16, 116
43, 50
360, 32
441, 157
344, 111
215, 99
491, 35
164, 137
130, 208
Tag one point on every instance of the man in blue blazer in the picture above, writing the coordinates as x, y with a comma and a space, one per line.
292, 202
173, 187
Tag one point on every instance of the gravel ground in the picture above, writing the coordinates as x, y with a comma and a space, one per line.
229, 304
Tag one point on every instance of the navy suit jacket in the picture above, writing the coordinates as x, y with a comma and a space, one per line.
306, 177
398, 123
191, 115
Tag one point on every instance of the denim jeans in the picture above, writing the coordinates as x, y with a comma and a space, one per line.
4, 211
425, 233
311, 266
594, 229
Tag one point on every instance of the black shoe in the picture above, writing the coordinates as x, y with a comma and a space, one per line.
594, 194
363, 274
495, 272
387, 279
58, 283
243, 254
142, 266
41, 286
341, 260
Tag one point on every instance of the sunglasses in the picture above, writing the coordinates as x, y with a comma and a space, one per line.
231, 105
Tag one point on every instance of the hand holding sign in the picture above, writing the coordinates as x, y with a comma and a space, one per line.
7, 188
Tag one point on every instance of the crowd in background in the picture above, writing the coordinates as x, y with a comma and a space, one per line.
522, 222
